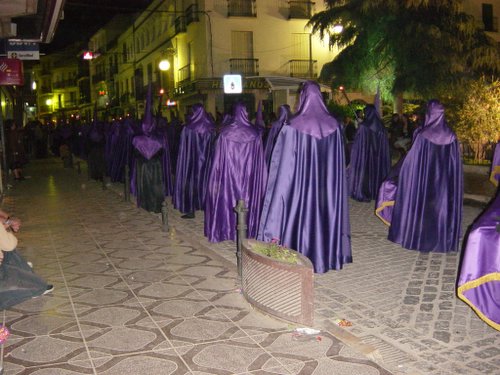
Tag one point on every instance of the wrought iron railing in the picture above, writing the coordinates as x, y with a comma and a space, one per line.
184, 74
303, 68
300, 9
245, 67
241, 8
180, 24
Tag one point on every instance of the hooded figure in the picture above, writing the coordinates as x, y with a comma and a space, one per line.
95, 146
495, 166
260, 124
122, 150
193, 163
480, 269
305, 206
370, 159
284, 114
238, 172
151, 175
427, 211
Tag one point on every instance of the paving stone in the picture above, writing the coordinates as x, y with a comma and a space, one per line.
443, 336
487, 352
411, 300
426, 307
483, 367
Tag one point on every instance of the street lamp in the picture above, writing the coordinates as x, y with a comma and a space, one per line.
164, 65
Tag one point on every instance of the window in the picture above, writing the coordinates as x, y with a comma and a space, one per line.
490, 22
242, 61
241, 8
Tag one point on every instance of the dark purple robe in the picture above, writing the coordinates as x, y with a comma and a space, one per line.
370, 160
151, 176
305, 206
283, 115
427, 211
479, 280
238, 172
495, 166
193, 162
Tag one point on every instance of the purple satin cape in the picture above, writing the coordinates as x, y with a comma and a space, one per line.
193, 162
370, 160
495, 166
284, 114
306, 206
238, 172
479, 280
387, 194
427, 213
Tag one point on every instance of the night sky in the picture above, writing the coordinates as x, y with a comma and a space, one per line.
82, 18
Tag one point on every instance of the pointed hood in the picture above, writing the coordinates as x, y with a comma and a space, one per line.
148, 123
435, 128
372, 120
259, 117
240, 115
312, 117
199, 120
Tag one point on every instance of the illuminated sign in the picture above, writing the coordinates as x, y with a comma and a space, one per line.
88, 55
233, 84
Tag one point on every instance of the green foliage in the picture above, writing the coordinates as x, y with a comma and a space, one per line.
478, 115
413, 46
275, 251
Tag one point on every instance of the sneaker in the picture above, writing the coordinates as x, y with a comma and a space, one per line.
49, 289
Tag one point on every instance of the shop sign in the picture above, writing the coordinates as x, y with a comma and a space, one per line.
11, 72
23, 50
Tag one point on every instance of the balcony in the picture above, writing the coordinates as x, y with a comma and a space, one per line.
300, 9
192, 13
241, 8
184, 74
64, 83
180, 25
245, 67
303, 68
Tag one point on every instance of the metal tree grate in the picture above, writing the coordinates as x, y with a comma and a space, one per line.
277, 288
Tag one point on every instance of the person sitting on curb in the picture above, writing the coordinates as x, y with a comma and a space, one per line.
18, 282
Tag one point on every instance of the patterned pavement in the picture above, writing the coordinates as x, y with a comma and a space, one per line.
131, 299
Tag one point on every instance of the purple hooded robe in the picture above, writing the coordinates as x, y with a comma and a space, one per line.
495, 166
370, 160
194, 160
479, 280
305, 206
283, 115
427, 212
238, 172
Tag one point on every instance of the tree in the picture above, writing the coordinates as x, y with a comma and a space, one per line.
478, 116
412, 46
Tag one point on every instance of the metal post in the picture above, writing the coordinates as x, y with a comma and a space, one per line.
126, 187
241, 211
164, 217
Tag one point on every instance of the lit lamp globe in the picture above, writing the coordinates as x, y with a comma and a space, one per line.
164, 65
48, 102
337, 29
